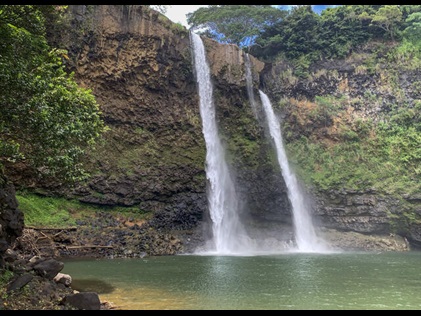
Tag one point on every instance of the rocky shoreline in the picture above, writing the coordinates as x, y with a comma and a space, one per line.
35, 260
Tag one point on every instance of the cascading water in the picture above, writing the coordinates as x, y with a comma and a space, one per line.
305, 235
249, 81
229, 236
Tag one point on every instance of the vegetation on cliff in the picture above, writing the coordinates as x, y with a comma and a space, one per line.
330, 146
54, 212
359, 152
334, 140
352, 152
330, 141
348, 90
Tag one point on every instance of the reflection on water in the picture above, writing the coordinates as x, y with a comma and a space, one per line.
285, 281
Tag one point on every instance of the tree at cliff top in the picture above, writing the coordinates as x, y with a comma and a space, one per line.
234, 24
46, 120
335, 33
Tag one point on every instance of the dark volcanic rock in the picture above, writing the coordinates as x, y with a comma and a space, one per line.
83, 301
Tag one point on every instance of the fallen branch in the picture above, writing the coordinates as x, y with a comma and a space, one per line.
88, 246
73, 228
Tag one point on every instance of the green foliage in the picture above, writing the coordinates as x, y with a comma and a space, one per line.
349, 135
388, 18
412, 31
301, 66
52, 212
245, 148
327, 107
385, 156
234, 23
5, 277
362, 127
301, 35
402, 144
45, 212
28, 17
336, 32
295, 35
178, 28
304, 37
46, 119
406, 56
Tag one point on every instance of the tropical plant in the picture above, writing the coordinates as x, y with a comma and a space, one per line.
46, 120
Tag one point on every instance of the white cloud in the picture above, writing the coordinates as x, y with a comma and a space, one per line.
177, 13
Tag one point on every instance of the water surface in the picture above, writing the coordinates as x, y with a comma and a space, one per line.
290, 281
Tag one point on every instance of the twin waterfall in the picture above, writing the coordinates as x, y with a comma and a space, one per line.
305, 235
229, 235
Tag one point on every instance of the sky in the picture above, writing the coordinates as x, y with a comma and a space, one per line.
177, 12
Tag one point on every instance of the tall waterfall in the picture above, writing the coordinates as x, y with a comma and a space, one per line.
249, 81
229, 236
305, 235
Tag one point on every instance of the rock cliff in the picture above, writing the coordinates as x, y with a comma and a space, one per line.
139, 66
369, 94
11, 218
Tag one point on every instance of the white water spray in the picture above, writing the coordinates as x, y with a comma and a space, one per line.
305, 235
229, 236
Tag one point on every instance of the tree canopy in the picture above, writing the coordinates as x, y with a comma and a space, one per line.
388, 18
46, 119
234, 24
301, 34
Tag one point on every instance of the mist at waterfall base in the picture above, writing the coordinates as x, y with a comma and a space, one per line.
229, 236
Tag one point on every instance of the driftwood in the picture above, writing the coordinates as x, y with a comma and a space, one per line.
36, 243
73, 228
38, 238
88, 246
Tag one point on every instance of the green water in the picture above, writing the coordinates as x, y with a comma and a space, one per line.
338, 281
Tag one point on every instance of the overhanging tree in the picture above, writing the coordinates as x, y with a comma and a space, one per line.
46, 120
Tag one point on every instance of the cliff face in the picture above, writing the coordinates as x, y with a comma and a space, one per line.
139, 66
360, 93
139, 69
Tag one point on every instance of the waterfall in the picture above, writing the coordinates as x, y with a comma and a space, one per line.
305, 235
249, 81
229, 236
